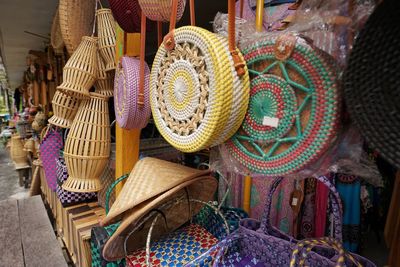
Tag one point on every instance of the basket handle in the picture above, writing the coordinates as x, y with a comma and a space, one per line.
110, 189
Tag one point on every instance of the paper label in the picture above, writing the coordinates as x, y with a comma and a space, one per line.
295, 201
269, 121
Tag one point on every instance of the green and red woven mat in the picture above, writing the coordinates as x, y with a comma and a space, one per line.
293, 110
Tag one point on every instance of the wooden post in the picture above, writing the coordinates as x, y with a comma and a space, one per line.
127, 141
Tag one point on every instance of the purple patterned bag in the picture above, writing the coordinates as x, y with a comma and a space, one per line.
51, 144
68, 198
258, 243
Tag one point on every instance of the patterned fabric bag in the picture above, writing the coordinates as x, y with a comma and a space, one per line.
191, 241
100, 235
68, 198
258, 243
49, 150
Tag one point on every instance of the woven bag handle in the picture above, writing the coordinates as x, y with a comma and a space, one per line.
336, 206
110, 189
299, 256
216, 210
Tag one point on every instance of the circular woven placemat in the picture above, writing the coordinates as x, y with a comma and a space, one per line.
293, 109
372, 81
76, 21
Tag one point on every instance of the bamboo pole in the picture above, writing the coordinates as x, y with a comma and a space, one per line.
127, 141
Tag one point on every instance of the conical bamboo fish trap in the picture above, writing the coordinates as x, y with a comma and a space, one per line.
79, 74
107, 37
105, 79
17, 153
87, 148
64, 109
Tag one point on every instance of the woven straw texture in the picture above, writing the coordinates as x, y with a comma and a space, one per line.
64, 109
372, 81
57, 41
76, 21
197, 99
50, 148
17, 152
107, 37
160, 10
80, 71
293, 111
128, 113
87, 148
105, 79
127, 14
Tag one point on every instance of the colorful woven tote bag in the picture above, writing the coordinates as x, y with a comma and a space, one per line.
100, 235
49, 148
258, 243
131, 89
293, 111
199, 86
66, 197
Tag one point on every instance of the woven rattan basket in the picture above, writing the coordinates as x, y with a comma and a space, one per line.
160, 10
372, 81
105, 79
87, 148
80, 71
107, 37
17, 152
57, 41
199, 92
294, 110
127, 14
76, 21
64, 109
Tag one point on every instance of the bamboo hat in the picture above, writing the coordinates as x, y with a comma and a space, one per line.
151, 183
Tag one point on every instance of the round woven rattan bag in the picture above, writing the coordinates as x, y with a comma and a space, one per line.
160, 10
372, 81
198, 97
293, 109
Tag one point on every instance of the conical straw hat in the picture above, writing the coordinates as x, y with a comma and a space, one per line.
152, 183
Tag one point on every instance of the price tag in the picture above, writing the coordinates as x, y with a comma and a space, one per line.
269, 121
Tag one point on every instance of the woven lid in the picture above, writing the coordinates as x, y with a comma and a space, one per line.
76, 21
149, 178
57, 41
372, 81
128, 113
293, 111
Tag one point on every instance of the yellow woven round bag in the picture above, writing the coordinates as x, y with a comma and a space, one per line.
199, 86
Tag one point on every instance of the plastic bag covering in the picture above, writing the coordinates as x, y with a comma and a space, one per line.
345, 156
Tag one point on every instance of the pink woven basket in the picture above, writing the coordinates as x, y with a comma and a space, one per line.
128, 113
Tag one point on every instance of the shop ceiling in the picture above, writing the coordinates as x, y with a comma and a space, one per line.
16, 18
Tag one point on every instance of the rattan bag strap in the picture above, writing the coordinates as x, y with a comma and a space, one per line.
140, 100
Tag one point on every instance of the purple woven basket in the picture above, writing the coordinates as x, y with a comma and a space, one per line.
258, 243
68, 198
128, 113
49, 150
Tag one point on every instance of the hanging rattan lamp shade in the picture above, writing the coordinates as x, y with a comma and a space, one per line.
197, 98
107, 37
105, 79
57, 41
87, 148
372, 81
64, 109
80, 71
76, 21
293, 111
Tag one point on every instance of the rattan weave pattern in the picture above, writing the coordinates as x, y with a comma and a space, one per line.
160, 10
